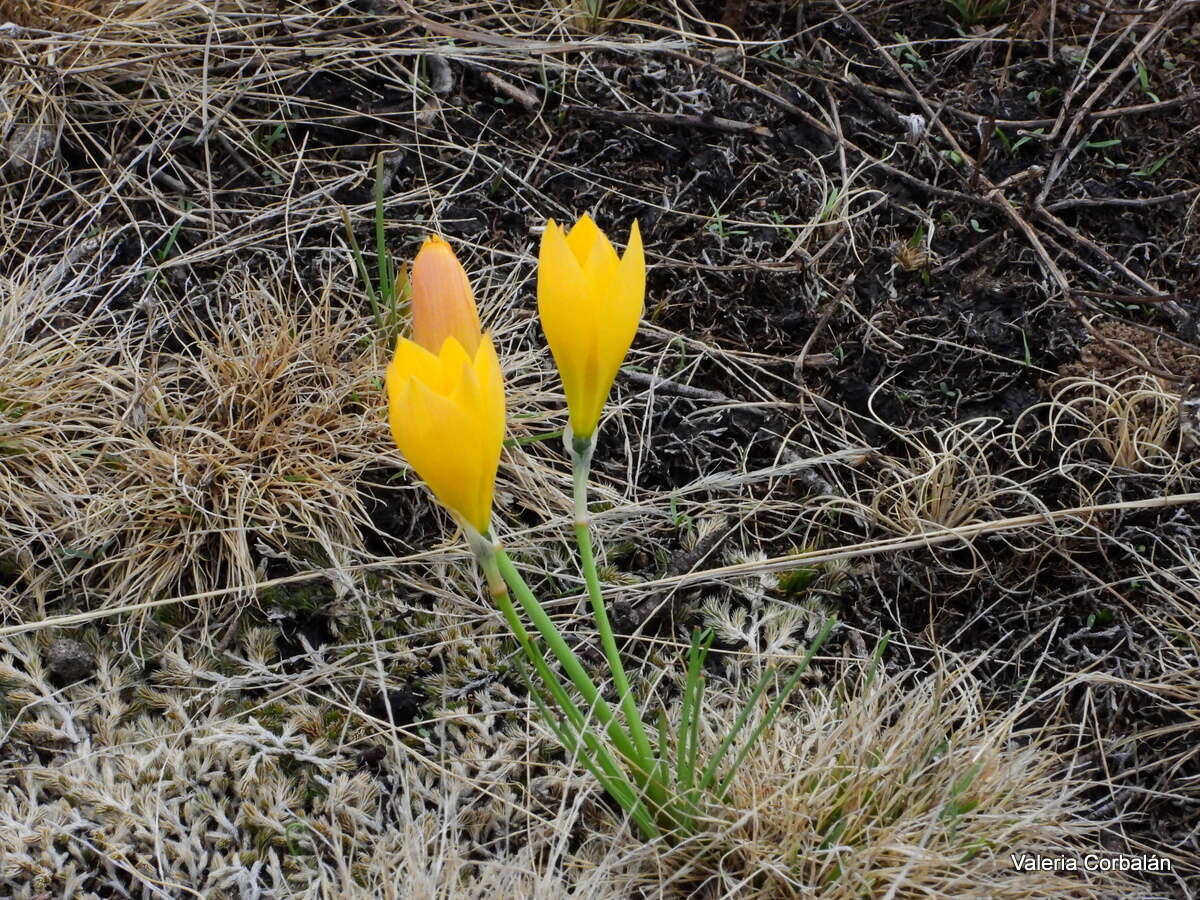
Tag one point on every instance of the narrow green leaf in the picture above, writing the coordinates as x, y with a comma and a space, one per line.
773, 710
382, 258
361, 265
664, 740
710, 771
534, 438
689, 719
877, 657
570, 663
600, 764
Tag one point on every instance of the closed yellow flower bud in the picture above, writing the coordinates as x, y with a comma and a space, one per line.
446, 392
590, 302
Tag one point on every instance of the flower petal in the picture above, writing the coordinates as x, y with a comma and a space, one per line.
583, 234
590, 302
566, 307
443, 304
599, 270
447, 418
439, 438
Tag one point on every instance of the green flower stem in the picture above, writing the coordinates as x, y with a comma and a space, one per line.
598, 759
581, 459
600, 764
571, 665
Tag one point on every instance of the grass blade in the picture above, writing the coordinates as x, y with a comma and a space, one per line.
775, 707
710, 771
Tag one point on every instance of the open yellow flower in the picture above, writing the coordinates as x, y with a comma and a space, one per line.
590, 302
446, 392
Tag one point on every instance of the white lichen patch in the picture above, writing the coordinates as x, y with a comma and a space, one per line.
181, 772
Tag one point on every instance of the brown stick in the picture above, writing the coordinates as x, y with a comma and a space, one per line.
1017, 219
1134, 298
1116, 348
802, 359
1141, 326
526, 98
1063, 228
1064, 156
661, 385
1121, 201
677, 120
865, 90
1004, 203
815, 123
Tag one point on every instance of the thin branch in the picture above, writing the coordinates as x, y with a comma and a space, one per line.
677, 120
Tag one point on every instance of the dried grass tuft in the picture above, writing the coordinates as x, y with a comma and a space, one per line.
131, 473
1133, 422
897, 785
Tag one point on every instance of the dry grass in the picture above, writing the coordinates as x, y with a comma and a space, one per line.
946, 484
189, 402
1134, 422
892, 786
880, 785
131, 472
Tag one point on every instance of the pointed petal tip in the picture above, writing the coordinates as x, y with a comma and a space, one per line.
434, 242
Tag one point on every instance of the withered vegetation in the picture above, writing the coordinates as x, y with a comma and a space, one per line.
920, 352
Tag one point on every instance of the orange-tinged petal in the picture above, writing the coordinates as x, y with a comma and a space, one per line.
443, 304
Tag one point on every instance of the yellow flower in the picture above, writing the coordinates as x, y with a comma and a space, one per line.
590, 303
446, 392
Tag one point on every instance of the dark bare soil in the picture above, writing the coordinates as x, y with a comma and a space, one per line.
977, 331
